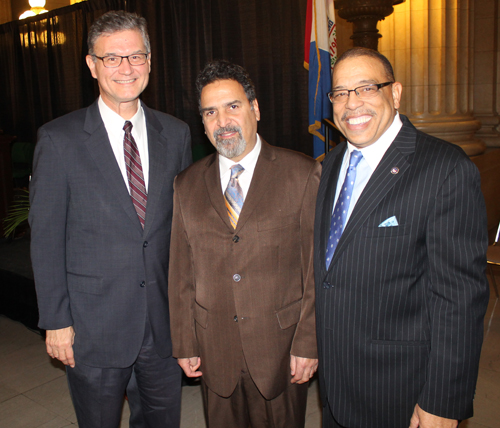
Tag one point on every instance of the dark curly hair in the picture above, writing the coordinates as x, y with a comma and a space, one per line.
224, 70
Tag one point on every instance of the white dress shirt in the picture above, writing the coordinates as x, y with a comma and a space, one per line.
248, 163
372, 155
114, 123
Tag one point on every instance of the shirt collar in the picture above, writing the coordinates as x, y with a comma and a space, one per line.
248, 162
113, 121
374, 153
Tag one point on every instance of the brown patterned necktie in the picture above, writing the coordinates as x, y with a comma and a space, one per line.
134, 173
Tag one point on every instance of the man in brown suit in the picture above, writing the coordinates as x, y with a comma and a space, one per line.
241, 286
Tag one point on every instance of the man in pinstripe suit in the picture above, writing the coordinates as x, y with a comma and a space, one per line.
401, 294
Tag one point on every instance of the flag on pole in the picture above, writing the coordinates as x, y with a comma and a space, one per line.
320, 54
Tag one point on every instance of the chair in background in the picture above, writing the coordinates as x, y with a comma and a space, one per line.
493, 258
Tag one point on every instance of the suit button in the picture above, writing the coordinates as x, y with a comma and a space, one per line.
236, 277
235, 318
236, 238
143, 284
145, 244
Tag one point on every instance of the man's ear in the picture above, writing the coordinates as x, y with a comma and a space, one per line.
397, 89
91, 64
255, 107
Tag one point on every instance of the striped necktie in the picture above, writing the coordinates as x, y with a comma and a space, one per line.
234, 195
134, 173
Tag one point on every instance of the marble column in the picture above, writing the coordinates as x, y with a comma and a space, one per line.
364, 15
486, 70
429, 44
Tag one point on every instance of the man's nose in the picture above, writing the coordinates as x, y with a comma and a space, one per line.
353, 101
223, 119
125, 66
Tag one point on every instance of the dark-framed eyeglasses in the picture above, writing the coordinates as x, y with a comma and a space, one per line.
362, 92
113, 61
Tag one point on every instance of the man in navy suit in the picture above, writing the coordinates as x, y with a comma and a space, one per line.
401, 289
101, 212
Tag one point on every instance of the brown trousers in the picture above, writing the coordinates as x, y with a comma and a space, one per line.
246, 407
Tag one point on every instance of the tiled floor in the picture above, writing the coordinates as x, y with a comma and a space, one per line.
34, 393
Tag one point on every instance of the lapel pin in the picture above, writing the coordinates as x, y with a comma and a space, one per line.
394, 170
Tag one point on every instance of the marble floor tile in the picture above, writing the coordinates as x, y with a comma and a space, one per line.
35, 376
21, 412
6, 392
192, 407
125, 415
14, 336
31, 356
59, 422
487, 400
54, 396
490, 353
314, 409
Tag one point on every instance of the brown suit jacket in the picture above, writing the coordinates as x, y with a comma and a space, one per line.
248, 291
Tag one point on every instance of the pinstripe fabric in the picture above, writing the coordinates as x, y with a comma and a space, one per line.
402, 321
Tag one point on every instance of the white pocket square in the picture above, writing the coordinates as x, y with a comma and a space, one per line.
390, 222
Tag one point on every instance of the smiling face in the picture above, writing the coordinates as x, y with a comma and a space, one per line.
364, 121
120, 87
230, 120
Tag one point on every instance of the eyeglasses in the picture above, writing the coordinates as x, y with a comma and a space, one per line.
113, 61
363, 92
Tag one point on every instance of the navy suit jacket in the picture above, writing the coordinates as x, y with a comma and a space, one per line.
95, 268
400, 310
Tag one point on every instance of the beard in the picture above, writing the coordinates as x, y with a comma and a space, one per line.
232, 147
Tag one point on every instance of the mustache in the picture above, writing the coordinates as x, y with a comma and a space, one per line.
349, 114
225, 129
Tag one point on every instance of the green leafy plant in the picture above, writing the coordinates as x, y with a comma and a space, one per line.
17, 214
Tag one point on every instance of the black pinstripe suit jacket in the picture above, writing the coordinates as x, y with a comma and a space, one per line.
400, 310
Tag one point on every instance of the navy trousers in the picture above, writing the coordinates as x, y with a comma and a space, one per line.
98, 393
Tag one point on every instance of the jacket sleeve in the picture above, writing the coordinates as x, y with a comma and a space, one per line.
49, 199
304, 343
457, 297
181, 287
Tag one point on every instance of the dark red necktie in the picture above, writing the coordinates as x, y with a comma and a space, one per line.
134, 173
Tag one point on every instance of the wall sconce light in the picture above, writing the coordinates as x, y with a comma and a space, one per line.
37, 7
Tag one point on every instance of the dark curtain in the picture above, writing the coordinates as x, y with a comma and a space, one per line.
43, 74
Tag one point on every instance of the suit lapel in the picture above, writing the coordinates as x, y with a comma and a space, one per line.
261, 181
214, 190
329, 196
101, 152
381, 182
157, 148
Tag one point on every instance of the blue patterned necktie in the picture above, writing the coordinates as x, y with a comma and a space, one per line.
342, 207
234, 195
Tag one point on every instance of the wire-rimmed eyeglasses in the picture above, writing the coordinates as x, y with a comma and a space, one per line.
113, 61
363, 92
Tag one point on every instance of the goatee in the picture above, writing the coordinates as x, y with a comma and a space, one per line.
230, 147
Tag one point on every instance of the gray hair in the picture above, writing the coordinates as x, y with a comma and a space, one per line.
115, 21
